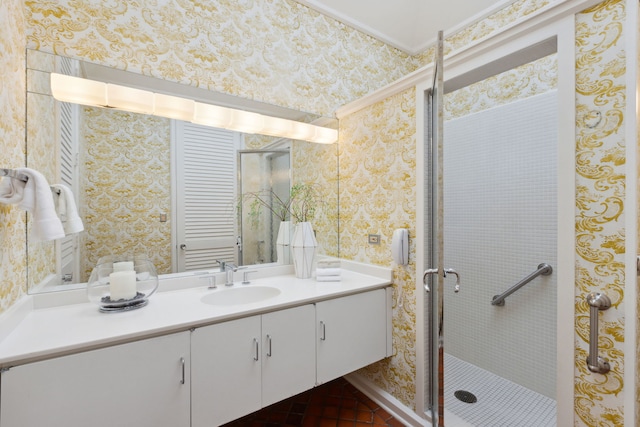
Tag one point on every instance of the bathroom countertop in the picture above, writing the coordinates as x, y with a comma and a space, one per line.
64, 329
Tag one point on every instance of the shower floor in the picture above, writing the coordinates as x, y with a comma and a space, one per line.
501, 403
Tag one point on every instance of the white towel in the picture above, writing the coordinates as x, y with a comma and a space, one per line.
328, 263
67, 211
327, 278
328, 271
34, 196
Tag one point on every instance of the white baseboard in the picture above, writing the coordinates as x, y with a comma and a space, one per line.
389, 403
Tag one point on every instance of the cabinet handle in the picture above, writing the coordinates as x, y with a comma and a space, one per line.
182, 362
323, 331
269, 345
255, 346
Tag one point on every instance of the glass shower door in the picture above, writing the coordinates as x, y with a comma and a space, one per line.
433, 276
491, 213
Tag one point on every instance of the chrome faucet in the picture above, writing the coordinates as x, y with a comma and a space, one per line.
229, 269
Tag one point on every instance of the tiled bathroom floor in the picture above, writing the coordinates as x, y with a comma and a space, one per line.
334, 404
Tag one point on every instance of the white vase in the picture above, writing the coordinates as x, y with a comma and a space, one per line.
283, 243
303, 249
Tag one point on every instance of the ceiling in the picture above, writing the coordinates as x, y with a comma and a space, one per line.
409, 25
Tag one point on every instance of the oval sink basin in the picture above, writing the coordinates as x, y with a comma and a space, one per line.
242, 295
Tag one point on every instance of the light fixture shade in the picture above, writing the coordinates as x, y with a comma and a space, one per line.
173, 107
90, 92
303, 131
247, 122
212, 115
324, 136
130, 99
276, 126
79, 91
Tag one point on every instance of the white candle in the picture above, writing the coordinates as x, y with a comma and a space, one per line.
122, 285
123, 266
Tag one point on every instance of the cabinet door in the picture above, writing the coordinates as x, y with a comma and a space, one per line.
352, 333
144, 383
226, 369
289, 361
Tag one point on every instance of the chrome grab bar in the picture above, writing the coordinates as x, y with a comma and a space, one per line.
543, 269
597, 301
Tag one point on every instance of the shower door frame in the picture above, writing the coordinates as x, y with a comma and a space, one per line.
502, 52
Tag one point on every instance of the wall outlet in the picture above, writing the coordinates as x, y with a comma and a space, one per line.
374, 239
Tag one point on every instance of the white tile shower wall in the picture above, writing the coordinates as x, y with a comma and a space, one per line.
500, 223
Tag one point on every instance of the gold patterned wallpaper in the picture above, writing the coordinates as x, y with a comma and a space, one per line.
126, 186
13, 263
40, 126
600, 233
279, 52
378, 195
519, 9
283, 53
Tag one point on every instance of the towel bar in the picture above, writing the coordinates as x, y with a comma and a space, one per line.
11, 173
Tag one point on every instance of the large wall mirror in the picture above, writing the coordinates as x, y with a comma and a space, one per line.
165, 188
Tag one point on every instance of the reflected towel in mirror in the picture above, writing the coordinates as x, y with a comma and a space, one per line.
66, 209
34, 196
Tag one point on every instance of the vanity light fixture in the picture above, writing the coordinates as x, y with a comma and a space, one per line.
99, 94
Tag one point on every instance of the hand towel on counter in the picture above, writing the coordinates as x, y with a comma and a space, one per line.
328, 271
328, 278
328, 274
328, 263
37, 199
67, 211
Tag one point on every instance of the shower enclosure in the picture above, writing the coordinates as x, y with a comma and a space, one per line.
265, 172
490, 213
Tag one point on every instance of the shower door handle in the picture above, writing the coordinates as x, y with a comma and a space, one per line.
427, 272
597, 301
456, 288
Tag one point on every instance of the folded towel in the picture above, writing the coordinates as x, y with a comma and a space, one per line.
328, 263
34, 196
327, 278
328, 271
67, 211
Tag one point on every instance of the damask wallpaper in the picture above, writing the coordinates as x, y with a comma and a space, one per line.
13, 263
283, 53
126, 186
600, 194
378, 195
279, 52
40, 126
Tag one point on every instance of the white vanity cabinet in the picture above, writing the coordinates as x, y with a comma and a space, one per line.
243, 365
352, 333
143, 383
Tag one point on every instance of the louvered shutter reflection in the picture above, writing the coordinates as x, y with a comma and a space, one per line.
206, 159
